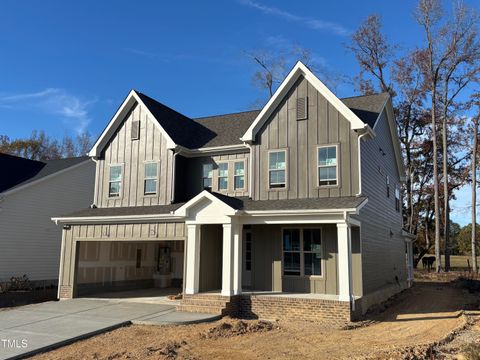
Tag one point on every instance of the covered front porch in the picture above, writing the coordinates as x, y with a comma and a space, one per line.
239, 260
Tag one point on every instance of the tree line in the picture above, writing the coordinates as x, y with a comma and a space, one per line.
40, 146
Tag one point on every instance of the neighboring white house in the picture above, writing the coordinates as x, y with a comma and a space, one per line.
31, 192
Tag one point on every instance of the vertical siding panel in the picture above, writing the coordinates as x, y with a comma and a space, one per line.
292, 145
312, 124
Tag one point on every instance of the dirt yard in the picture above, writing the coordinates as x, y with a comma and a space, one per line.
435, 319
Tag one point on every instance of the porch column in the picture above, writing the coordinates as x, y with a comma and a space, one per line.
237, 259
228, 259
344, 262
192, 274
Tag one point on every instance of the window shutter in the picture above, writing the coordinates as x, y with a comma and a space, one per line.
135, 130
302, 108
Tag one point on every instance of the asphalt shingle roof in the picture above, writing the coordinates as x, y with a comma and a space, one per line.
17, 171
367, 107
221, 130
238, 203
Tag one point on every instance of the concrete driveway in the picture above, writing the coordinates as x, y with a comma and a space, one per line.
33, 328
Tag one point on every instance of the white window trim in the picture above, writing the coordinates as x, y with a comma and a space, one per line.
302, 259
223, 177
285, 150
157, 177
337, 170
244, 174
120, 194
203, 177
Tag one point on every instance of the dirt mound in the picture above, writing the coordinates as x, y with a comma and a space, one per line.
230, 329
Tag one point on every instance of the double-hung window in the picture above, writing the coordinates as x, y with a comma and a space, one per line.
151, 178
207, 174
291, 252
115, 181
327, 165
277, 168
239, 175
302, 252
223, 176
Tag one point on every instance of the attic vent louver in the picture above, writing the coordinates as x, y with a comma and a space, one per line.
302, 108
135, 130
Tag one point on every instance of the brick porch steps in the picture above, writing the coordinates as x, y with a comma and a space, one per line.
206, 303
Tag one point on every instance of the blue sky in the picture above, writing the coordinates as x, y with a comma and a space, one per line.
66, 66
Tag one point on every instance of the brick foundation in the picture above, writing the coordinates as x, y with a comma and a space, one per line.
270, 307
291, 308
65, 292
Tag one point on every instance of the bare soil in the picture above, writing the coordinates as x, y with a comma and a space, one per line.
435, 319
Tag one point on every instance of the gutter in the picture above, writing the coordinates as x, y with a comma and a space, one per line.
115, 219
250, 171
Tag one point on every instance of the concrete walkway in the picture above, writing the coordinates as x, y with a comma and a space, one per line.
34, 328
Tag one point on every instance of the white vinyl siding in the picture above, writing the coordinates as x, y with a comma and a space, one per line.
29, 240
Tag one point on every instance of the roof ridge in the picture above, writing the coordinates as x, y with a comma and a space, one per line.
219, 115
357, 96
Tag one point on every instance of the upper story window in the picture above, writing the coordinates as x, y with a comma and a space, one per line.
239, 175
223, 176
397, 199
388, 185
207, 174
302, 252
277, 168
115, 181
151, 178
327, 165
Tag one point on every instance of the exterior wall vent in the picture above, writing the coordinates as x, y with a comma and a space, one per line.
135, 130
302, 108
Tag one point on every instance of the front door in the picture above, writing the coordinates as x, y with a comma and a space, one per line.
247, 259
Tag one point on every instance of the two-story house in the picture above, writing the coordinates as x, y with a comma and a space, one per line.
292, 211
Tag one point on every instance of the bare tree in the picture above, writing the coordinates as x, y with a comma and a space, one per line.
373, 53
451, 57
428, 15
474, 192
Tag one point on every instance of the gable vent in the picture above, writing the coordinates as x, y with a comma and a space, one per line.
302, 108
135, 130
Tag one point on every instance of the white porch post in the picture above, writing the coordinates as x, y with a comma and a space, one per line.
192, 274
227, 260
237, 259
344, 262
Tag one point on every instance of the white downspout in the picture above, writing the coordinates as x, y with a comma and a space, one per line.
250, 171
360, 164
172, 187
95, 188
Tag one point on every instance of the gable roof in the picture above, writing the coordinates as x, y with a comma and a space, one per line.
235, 128
17, 171
301, 70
